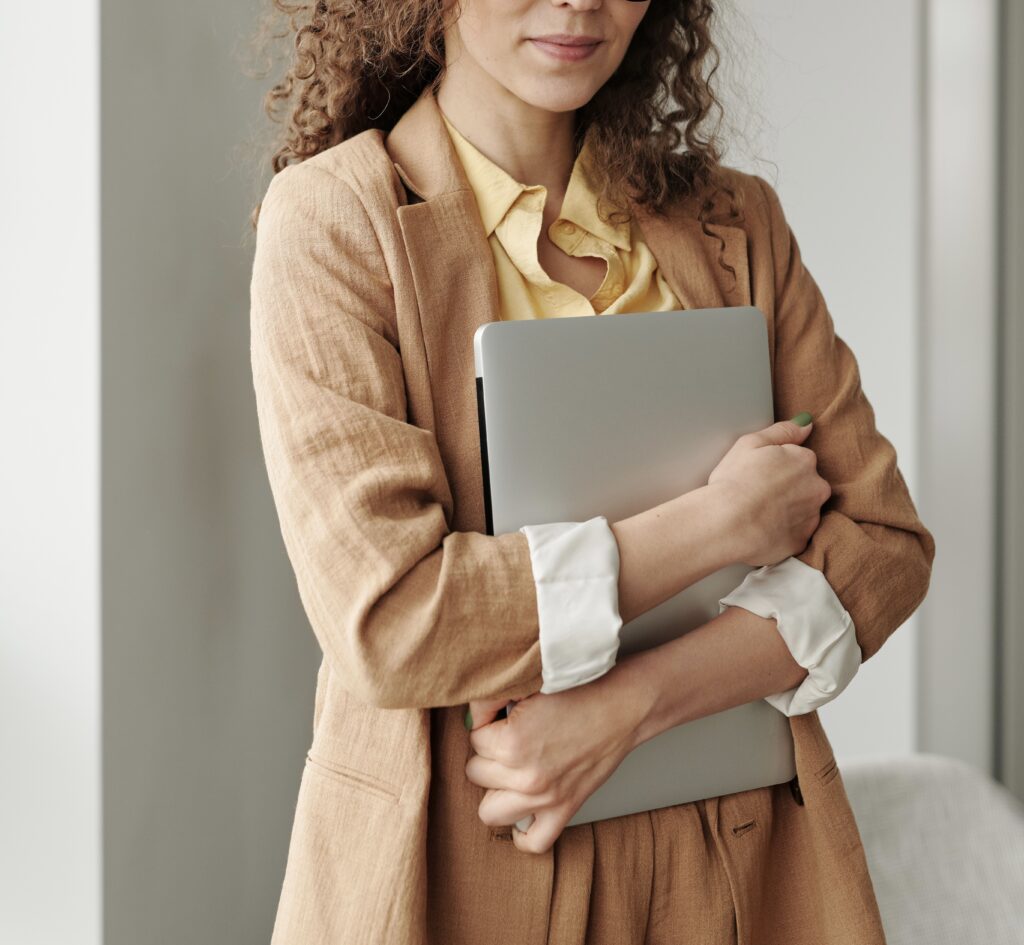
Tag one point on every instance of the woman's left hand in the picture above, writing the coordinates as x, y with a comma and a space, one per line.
551, 753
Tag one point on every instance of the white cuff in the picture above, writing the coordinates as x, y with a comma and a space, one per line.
812, 620
576, 572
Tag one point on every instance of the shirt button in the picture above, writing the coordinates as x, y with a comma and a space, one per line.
566, 227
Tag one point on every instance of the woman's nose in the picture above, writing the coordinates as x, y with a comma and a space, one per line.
578, 4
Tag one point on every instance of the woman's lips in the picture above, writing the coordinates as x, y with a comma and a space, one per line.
563, 52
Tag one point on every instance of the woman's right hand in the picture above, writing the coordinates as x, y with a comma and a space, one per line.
771, 484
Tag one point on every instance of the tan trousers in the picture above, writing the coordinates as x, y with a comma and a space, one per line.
648, 879
654, 878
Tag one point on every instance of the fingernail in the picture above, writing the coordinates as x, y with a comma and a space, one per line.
801, 419
468, 720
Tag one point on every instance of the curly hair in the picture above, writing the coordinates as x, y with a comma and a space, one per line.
359, 64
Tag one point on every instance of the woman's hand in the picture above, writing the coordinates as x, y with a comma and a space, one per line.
773, 484
483, 711
551, 753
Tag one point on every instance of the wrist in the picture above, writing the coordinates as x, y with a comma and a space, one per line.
635, 678
726, 508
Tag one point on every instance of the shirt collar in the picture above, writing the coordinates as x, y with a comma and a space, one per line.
497, 191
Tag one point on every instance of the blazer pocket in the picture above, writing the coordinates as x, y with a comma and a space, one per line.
353, 778
349, 843
839, 815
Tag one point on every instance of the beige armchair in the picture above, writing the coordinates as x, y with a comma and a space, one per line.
945, 848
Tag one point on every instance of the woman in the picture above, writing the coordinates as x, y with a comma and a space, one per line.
398, 223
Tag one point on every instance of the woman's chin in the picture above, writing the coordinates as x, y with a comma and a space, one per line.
557, 93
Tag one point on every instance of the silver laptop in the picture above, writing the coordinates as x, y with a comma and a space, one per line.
610, 415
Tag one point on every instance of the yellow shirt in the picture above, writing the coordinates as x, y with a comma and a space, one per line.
512, 215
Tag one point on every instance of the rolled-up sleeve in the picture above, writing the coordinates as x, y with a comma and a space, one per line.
576, 571
812, 621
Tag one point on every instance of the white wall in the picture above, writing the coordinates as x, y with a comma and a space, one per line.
960, 432
50, 804
825, 104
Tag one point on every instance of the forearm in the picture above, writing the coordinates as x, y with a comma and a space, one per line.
665, 549
735, 658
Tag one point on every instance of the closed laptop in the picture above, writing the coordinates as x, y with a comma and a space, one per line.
611, 415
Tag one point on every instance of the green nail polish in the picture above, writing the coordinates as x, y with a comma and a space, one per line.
469, 720
801, 419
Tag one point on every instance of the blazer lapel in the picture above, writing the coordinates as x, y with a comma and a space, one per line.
456, 289
688, 258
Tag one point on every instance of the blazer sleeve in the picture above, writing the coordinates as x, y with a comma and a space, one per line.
870, 544
407, 612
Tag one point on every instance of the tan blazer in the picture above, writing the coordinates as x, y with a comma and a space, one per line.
370, 276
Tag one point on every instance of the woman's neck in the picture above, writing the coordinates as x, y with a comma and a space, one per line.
532, 145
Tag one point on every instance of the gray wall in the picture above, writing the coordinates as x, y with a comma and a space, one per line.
208, 662
1010, 517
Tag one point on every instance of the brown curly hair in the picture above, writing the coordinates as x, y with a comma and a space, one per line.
359, 64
